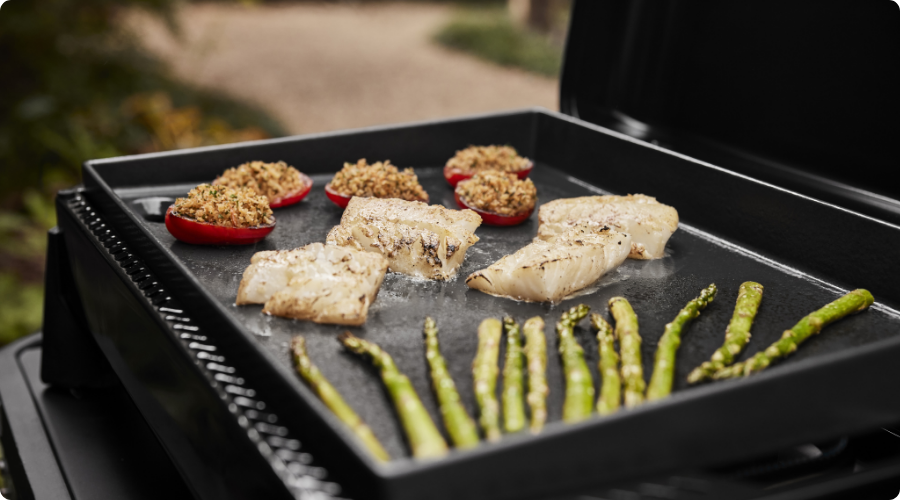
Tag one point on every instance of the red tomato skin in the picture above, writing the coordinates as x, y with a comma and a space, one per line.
493, 219
338, 198
201, 233
295, 197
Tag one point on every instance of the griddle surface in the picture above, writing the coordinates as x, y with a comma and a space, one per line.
657, 289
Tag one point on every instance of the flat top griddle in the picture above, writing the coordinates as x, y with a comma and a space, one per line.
657, 289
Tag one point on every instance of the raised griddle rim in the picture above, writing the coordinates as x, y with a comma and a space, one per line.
401, 468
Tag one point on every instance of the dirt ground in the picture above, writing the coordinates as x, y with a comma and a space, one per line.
320, 67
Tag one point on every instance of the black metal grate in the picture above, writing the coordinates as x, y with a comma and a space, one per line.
278, 445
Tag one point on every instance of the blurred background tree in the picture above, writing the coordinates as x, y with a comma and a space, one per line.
527, 34
541, 16
76, 86
81, 82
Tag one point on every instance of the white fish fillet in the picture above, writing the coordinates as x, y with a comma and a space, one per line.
418, 239
320, 283
552, 268
649, 222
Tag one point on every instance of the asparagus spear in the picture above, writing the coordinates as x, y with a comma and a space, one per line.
513, 379
664, 362
333, 400
853, 302
536, 356
611, 387
424, 438
736, 335
630, 347
484, 373
579, 401
459, 424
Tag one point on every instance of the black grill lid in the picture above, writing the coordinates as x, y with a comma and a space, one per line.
803, 94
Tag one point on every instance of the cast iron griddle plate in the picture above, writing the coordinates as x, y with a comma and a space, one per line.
657, 289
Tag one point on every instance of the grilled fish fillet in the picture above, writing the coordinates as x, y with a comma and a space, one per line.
551, 268
418, 239
320, 283
649, 222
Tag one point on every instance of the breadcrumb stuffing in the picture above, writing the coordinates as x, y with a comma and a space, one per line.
272, 180
378, 180
224, 206
478, 158
498, 192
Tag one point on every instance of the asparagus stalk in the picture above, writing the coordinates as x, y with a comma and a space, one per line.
484, 373
579, 400
333, 400
424, 437
664, 362
536, 356
853, 302
513, 379
630, 348
736, 335
459, 424
611, 387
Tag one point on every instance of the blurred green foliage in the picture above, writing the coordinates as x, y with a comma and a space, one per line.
76, 86
23, 240
489, 33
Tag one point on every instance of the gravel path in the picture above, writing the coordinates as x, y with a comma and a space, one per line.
320, 67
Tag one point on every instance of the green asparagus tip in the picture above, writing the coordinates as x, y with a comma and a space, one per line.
696, 376
598, 322
298, 345
575, 314
580, 310
350, 341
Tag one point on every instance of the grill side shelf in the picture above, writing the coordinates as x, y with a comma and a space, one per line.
276, 444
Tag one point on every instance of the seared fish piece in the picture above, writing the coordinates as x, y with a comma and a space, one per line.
320, 283
649, 222
548, 270
418, 239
